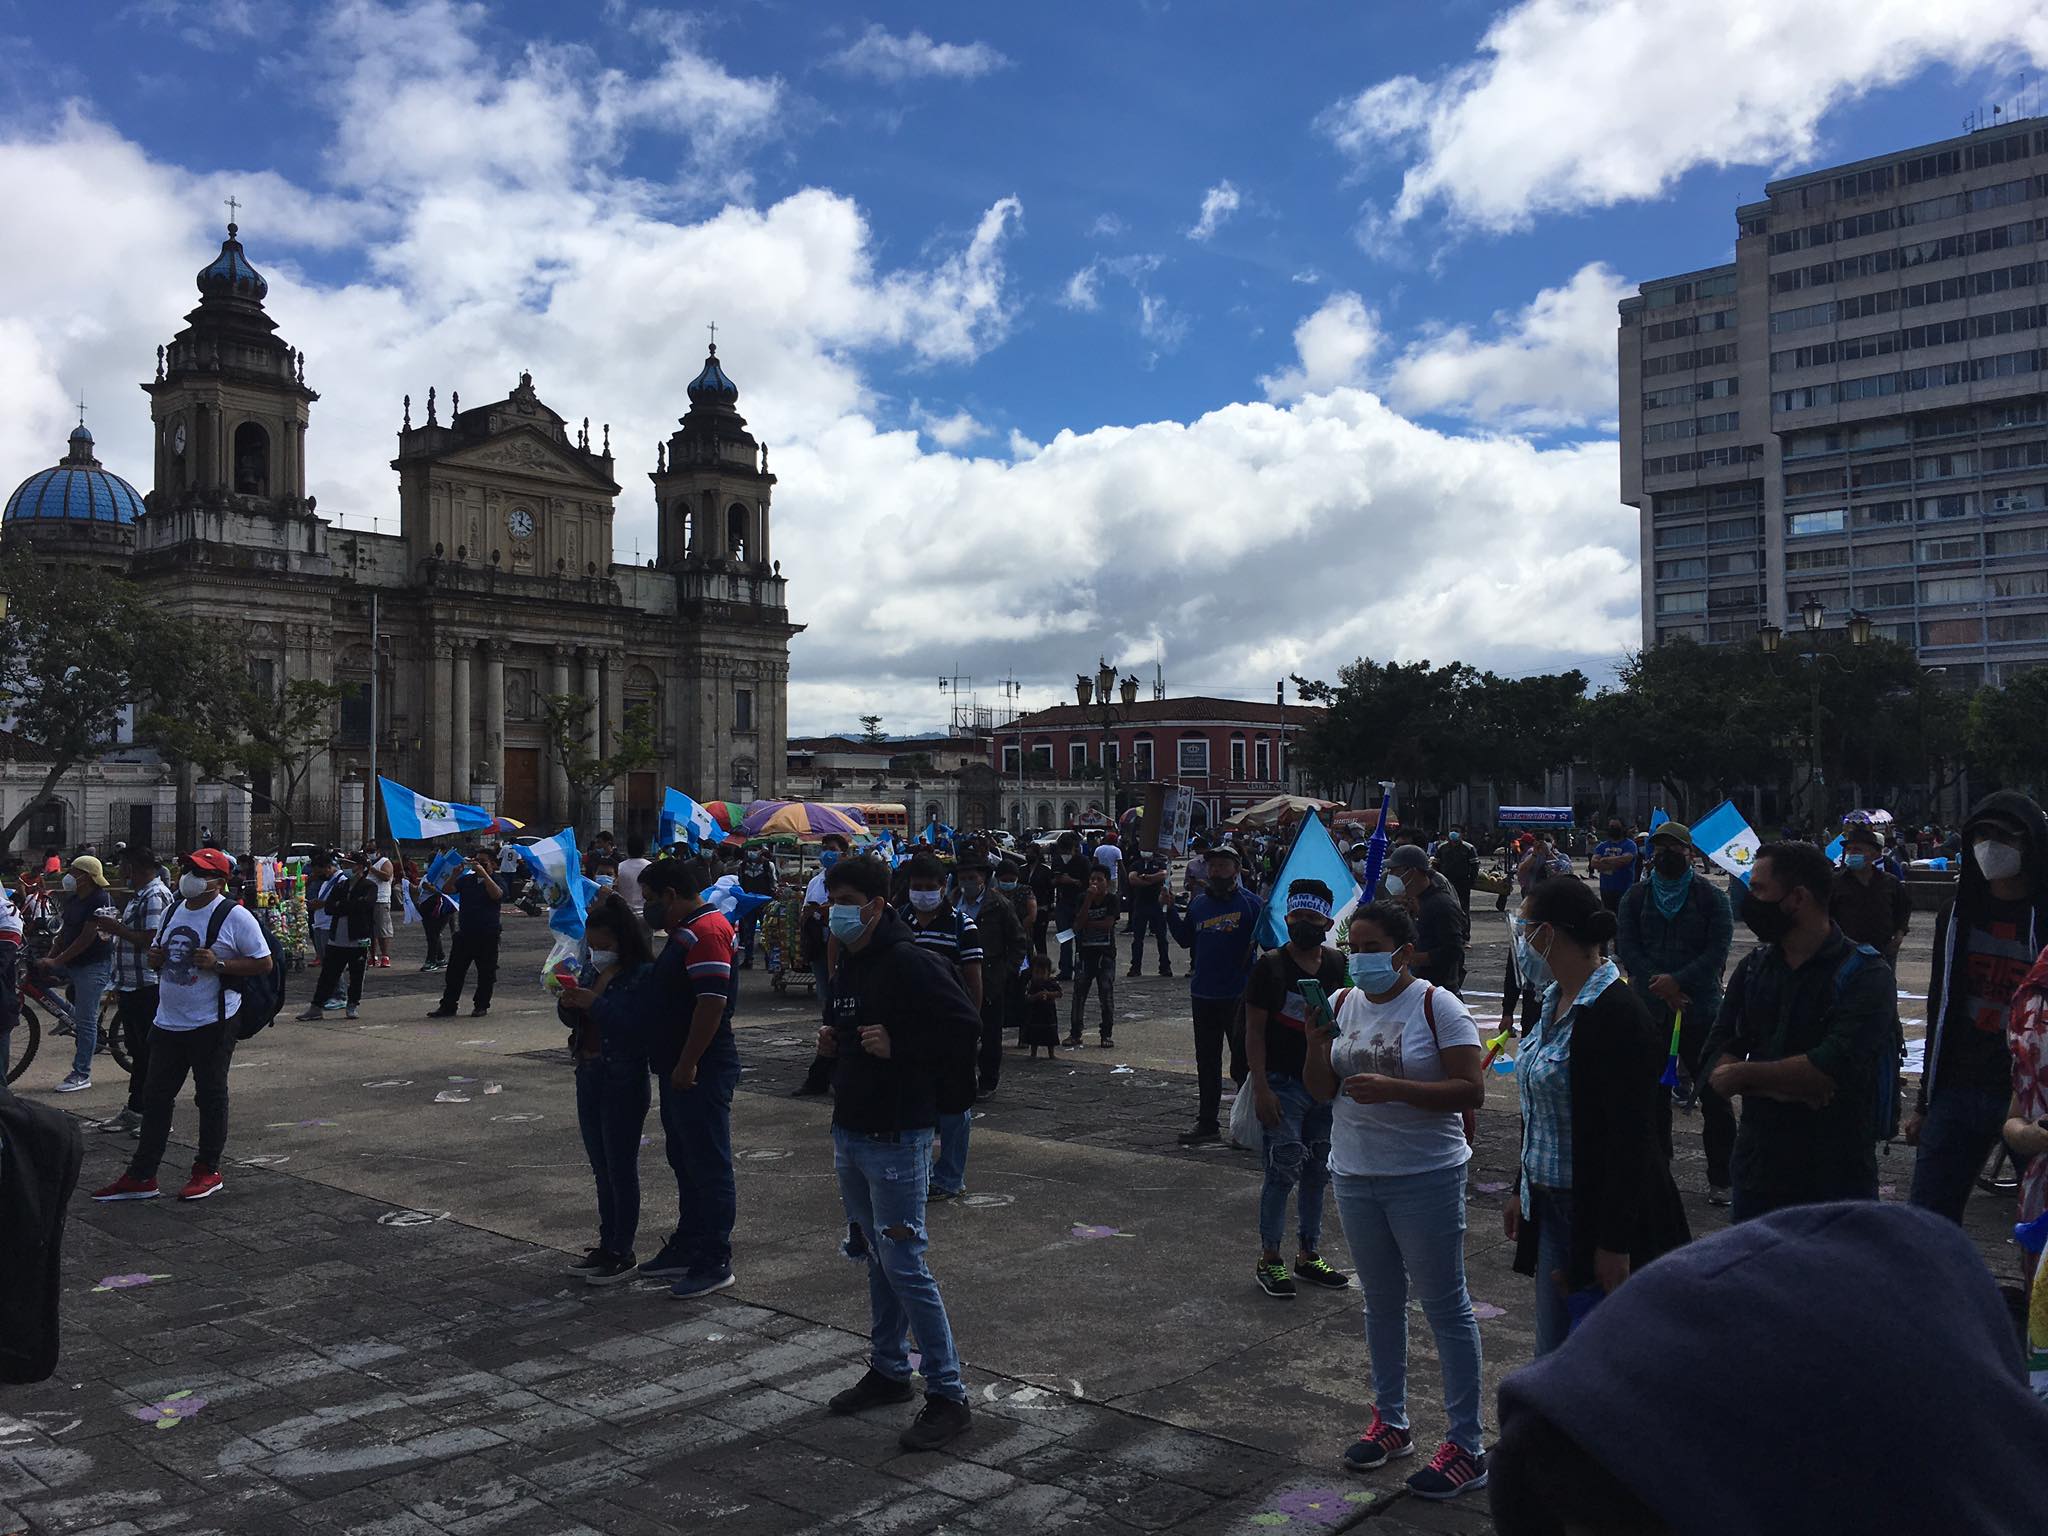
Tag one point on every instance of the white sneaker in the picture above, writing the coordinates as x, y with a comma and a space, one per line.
74, 1082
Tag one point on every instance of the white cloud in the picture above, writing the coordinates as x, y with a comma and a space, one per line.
950, 432
1084, 289
1331, 347
1549, 364
1132, 536
1575, 104
1218, 204
1107, 226
880, 55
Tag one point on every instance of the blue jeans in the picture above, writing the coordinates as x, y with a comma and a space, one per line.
1297, 1153
882, 1186
1962, 1125
1551, 1210
88, 984
1414, 1224
697, 1128
949, 1168
612, 1095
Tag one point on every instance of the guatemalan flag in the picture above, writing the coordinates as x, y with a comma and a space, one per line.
725, 894
414, 816
556, 862
683, 820
1727, 839
1313, 856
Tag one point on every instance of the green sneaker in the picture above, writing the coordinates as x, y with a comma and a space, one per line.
1274, 1280
1316, 1270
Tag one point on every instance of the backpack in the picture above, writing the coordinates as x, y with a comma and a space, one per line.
41, 1151
262, 996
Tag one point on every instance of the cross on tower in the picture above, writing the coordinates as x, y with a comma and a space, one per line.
233, 208
714, 338
81, 407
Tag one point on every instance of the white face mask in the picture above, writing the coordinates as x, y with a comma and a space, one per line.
191, 886
70, 884
604, 959
927, 901
1996, 861
1396, 885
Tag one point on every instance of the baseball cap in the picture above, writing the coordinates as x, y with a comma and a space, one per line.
1407, 856
85, 864
1673, 832
210, 861
1862, 832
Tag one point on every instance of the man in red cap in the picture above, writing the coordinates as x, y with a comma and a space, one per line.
206, 944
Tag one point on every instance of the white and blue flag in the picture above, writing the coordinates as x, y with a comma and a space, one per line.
725, 894
446, 863
555, 861
414, 816
684, 820
1727, 839
1314, 856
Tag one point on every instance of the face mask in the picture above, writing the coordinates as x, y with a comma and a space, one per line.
927, 901
1670, 863
70, 884
970, 890
828, 857
1996, 861
1006, 886
1768, 920
604, 959
1305, 935
1221, 887
1359, 866
191, 887
1455, 837
1373, 974
1533, 965
1855, 860
1396, 886
847, 923
604, 881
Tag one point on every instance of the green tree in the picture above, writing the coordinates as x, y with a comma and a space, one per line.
870, 727
2008, 730
569, 726
239, 735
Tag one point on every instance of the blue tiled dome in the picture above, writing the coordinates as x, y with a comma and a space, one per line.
77, 489
230, 274
712, 387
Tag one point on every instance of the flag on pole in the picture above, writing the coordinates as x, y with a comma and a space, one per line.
556, 862
725, 894
445, 863
1834, 849
414, 816
1658, 816
684, 820
886, 847
1727, 839
1314, 856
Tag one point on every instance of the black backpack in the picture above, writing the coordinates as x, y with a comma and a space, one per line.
262, 996
40, 1154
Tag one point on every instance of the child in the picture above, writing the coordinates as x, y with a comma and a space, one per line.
1095, 948
1041, 1009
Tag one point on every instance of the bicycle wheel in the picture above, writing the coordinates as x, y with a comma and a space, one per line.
115, 1033
22, 1042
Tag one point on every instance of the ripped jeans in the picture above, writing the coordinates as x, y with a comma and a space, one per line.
882, 1181
1297, 1153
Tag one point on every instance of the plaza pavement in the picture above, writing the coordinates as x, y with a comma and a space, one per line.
370, 1329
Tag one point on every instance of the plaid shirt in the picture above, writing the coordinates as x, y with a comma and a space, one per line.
1543, 1079
146, 910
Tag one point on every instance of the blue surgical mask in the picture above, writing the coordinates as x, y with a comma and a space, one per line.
1856, 860
1533, 967
1374, 974
827, 857
847, 923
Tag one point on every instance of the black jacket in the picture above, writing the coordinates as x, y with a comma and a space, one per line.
1623, 1198
917, 997
1443, 930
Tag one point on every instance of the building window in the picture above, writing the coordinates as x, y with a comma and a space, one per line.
743, 709
1263, 756
355, 713
1077, 756
1237, 757
1041, 756
1045, 814
252, 460
1194, 756
263, 677
1141, 758
1011, 759
1112, 753
1799, 524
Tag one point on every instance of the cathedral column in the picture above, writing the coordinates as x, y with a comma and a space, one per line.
558, 776
458, 738
441, 694
593, 695
494, 721
612, 729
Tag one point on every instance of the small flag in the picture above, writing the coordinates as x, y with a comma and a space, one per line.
555, 861
936, 832
444, 864
1670, 1077
725, 894
414, 816
1834, 849
1314, 857
1658, 816
412, 911
684, 820
1727, 839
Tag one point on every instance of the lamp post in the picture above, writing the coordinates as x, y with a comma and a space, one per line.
1812, 657
1098, 690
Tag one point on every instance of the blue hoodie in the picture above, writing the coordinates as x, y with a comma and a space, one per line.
1223, 934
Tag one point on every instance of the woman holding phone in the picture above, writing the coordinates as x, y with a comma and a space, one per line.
1403, 1066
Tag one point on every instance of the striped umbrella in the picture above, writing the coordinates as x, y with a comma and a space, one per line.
799, 818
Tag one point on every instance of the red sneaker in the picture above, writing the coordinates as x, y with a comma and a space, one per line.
1381, 1443
1452, 1471
204, 1182
128, 1187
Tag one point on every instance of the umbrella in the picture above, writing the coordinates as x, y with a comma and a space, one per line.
505, 826
800, 818
729, 814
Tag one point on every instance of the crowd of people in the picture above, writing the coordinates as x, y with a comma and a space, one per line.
1357, 1060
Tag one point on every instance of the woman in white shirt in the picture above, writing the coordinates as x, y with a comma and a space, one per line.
1403, 1066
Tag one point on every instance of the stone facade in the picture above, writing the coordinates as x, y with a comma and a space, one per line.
499, 588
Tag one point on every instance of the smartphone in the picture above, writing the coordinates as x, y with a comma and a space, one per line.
1319, 1012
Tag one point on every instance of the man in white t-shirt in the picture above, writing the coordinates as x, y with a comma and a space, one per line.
628, 882
385, 873
194, 1032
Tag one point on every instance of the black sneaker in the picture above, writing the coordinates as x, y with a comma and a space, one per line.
807, 1091
593, 1258
478, 1012
1381, 1443
873, 1390
612, 1270
1072, 1042
940, 1196
1316, 1270
1720, 1194
939, 1423
1452, 1471
1274, 1280
669, 1264
442, 1013
1134, 973
1200, 1134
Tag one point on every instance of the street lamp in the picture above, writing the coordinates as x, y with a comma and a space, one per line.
1812, 657
1102, 690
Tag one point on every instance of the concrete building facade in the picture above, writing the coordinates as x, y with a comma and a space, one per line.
1852, 411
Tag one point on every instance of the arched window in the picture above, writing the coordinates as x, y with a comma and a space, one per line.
933, 812
1045, 815
1198, 816
252, 460
683, 527
737, 522
1069, 813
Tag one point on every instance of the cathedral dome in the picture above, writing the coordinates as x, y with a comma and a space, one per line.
712, 387
230, 275
77, 490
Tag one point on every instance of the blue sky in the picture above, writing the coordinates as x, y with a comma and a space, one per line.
954, 252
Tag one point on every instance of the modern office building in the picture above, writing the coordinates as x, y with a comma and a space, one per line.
1853, 411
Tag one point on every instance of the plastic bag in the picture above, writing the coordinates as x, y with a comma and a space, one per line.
1245, 1129
563, 965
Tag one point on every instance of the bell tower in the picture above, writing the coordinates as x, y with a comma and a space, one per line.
711, 482
230, 402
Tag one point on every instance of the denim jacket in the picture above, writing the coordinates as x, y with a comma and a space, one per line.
618, 1016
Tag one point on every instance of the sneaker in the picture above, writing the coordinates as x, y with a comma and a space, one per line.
311, 1015
593, 1258
127, 1187
611, 1269
1200, 1134
127, 1120
669, 1264
939, 1423
1105, 1043
442, 1013
940, 1196
204, 1181
435, 965
1168, 974
1072, 1042
701, 1282
873, 1390
74, 1082
1381, 1443
1316, 1270
1134, 973
1719, 1194
807, 1091
1451, 1471
353, 1014
1274, 1280
479, 1011
334, 1005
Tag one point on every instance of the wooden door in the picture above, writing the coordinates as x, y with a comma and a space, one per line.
641, 810
521, 797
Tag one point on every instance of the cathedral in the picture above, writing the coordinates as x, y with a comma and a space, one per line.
499, 588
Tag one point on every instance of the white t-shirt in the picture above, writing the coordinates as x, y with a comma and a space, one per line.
509, 861
628, 882
187, 997
1109, 856
814, 893
319, 916
381, 873
1393, 1039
